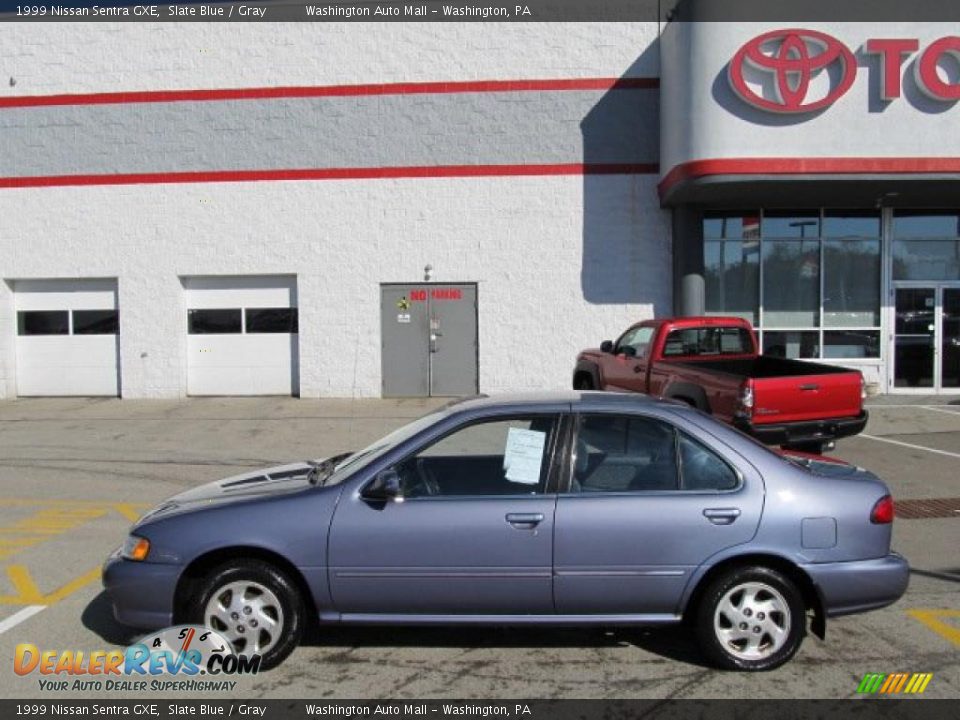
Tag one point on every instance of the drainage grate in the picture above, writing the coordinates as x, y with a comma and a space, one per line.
932, 508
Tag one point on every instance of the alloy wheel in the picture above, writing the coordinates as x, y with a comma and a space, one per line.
752, 621
248, 614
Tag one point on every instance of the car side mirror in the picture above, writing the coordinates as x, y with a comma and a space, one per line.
606, 346
385, 486
629, 350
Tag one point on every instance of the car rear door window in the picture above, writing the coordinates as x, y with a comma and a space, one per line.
624, 453
702, 469
494, 457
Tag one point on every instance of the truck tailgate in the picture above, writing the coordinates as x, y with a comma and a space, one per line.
806, 397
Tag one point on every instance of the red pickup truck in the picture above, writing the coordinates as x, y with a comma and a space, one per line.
713, 364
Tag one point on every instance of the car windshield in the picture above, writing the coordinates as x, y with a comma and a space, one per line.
364, 457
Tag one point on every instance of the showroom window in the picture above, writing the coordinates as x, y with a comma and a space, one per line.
732, 256
809, 280
926, 245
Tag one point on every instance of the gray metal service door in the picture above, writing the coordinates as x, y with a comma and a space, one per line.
453, 340
429, 340
405, 343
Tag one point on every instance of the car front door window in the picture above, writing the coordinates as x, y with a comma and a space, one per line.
495, 457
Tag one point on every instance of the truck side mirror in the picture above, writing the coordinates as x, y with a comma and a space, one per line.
606, 346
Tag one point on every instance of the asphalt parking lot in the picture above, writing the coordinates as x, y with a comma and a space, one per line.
74, 473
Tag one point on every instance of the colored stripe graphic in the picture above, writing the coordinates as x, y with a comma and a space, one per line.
807, 166
870, 683
372, 173
894, 683
359, 132
417, 88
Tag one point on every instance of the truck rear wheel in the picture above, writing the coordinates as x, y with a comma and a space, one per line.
583, 382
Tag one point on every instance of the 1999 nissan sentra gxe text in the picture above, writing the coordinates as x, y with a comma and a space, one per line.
563, 509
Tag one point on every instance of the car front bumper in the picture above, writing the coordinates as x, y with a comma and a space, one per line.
803, 431
852, 587
141, 593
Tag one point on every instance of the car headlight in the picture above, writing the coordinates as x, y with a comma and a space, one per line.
135, 548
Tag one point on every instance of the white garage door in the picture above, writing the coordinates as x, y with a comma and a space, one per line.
67, 337
242, 335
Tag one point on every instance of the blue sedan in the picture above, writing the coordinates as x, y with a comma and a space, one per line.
563, 509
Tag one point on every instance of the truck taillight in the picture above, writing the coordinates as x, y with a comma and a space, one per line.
746, 398
863, 388
882, 513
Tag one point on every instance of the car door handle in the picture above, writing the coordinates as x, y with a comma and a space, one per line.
524, 521
721, 516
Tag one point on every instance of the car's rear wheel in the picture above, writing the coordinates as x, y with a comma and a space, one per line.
751, 618
255, 606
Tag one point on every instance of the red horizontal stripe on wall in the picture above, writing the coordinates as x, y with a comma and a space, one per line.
808, 166
372, 173
477, 86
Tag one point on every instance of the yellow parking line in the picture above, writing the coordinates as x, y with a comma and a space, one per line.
72, 586
12, 501
27, 592
54, 519
131, 511
930, 618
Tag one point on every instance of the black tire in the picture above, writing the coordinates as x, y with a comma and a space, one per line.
268, 576
583, 382
727, 654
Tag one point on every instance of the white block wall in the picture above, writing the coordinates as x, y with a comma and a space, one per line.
52, 58
520, 239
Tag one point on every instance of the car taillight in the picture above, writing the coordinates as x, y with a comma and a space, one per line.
863, 388
882, 513
746, 399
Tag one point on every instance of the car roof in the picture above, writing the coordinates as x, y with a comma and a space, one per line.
579, 399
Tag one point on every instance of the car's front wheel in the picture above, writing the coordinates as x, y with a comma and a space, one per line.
255, 606
751, 618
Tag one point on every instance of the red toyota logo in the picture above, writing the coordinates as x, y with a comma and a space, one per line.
793, 57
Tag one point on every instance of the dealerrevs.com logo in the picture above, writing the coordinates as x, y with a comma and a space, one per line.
802, 71
170, 660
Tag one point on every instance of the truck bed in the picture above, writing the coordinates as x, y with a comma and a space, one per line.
762, 366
